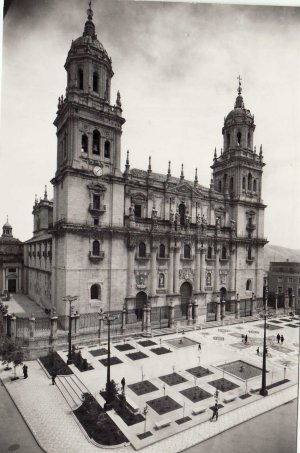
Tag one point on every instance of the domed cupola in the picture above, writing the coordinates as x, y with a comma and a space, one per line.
238, 126
88, 65
7, 229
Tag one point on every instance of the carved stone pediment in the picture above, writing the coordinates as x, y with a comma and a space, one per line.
97, 187
138, 197
183, 189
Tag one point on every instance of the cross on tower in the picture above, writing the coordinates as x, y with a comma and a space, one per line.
240, 85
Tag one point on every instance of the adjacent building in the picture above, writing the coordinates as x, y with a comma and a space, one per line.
284, 284
11, 261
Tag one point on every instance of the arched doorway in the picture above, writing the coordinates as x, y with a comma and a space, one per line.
186, 294
181, 210
140, 303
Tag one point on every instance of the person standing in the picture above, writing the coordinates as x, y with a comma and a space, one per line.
25, 371
199, 347
246, 338
215, 412
257, 351
123, 384
53, 376
282, 339
278, 338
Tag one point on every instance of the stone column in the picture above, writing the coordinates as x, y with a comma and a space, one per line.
147, 311
5, 321
53, 327
223, 308
202, 270
190, 313
32, 327
123, 327
171, 314
293, 303
171, 271
130, 271
197, 270
232, 270
153, 271
216, 273
286, 302
13, 327
176, 269
195, 307
276, 303
218, 308
237, 307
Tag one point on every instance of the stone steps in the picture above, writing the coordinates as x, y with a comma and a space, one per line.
72, 389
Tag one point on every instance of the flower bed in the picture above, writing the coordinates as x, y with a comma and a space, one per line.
54, 364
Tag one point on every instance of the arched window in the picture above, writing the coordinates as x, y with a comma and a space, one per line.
220, 186
80, 79
225, 179
239, 138
248, 140
249, 253
161, 280
231, 184
209, 252
244, 183
96, 248
96, 142
182, 213
254, 185
249, 285
224, 253
107, 149
208, 279
95, 82
249, 181
162, 251
95, 291
142, 250
186, 251
228, 140
84, 143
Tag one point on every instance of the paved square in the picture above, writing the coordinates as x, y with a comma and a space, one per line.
147, 343
113, 361
181, 342
163, 405
140, 388
240, 345
137, 355
223, 384
195, 394
270, 327
173, 379
97, 352
160, 350
241, 369
199, 371
124, 347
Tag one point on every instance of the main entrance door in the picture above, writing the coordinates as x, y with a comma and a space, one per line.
12, 285
140, 303
186, 294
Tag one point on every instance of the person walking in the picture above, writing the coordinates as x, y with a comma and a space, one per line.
123, 384
199, 347
25, 371
278, 338
282, 339
246, 338
257, 351
53, 377
215, 410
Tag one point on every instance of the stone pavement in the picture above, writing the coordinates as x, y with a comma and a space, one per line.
23, 307
51, 421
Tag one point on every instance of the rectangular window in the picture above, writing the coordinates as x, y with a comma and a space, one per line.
279, 279
279, 289
96, 201
12, 269
138, 210
290, 279
96, 222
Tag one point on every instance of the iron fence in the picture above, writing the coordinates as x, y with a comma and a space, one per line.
42, 327
22, 328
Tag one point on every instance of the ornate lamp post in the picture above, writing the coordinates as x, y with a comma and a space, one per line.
263, 390
109, 396
70, 299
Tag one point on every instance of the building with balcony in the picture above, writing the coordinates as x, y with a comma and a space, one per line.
284, 284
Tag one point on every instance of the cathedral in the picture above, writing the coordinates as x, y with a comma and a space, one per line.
160, 248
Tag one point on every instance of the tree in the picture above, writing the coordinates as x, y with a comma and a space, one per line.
10, 352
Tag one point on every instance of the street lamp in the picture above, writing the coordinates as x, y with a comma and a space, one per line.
109, 397
263, 390
70, 299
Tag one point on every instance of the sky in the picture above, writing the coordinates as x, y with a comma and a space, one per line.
176, 66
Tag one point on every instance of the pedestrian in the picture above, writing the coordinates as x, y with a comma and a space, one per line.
257, 351
215, 412
25, 371
199, 347
216, 395
123, 384
246, 338
278, 338
282, 339
53, 376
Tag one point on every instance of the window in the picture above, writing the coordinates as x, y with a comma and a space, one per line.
208, 279
224, 253
95, 291
96, 142
95, 82
162, 251
231, 184
254, 185
142, 250
96, 222
186, 251
225, 180
249, 181
107, 149
249, 285
84, 143
209, 253
248, 140
138, 210
80, 79
244, 183
290, 280
220, 186
161, 280
249, 253
279, 289
12, 269
182, 213
96, 248
238, 138
279, 280
96, 201
228, 140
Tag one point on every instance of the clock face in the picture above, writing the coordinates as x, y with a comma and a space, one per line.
98, 171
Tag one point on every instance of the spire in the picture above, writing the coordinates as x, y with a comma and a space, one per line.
118, 101
89, 27
181, 175
240, 86
36, 199
149, 165
215, 154
127, 165
239, 103
169, 170
196, 177
45, 194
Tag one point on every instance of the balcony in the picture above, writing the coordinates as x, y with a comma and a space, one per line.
95, 211
96, 258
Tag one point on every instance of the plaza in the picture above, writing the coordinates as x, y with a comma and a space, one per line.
178, 392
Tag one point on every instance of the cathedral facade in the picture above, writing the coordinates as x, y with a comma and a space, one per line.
159, 247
